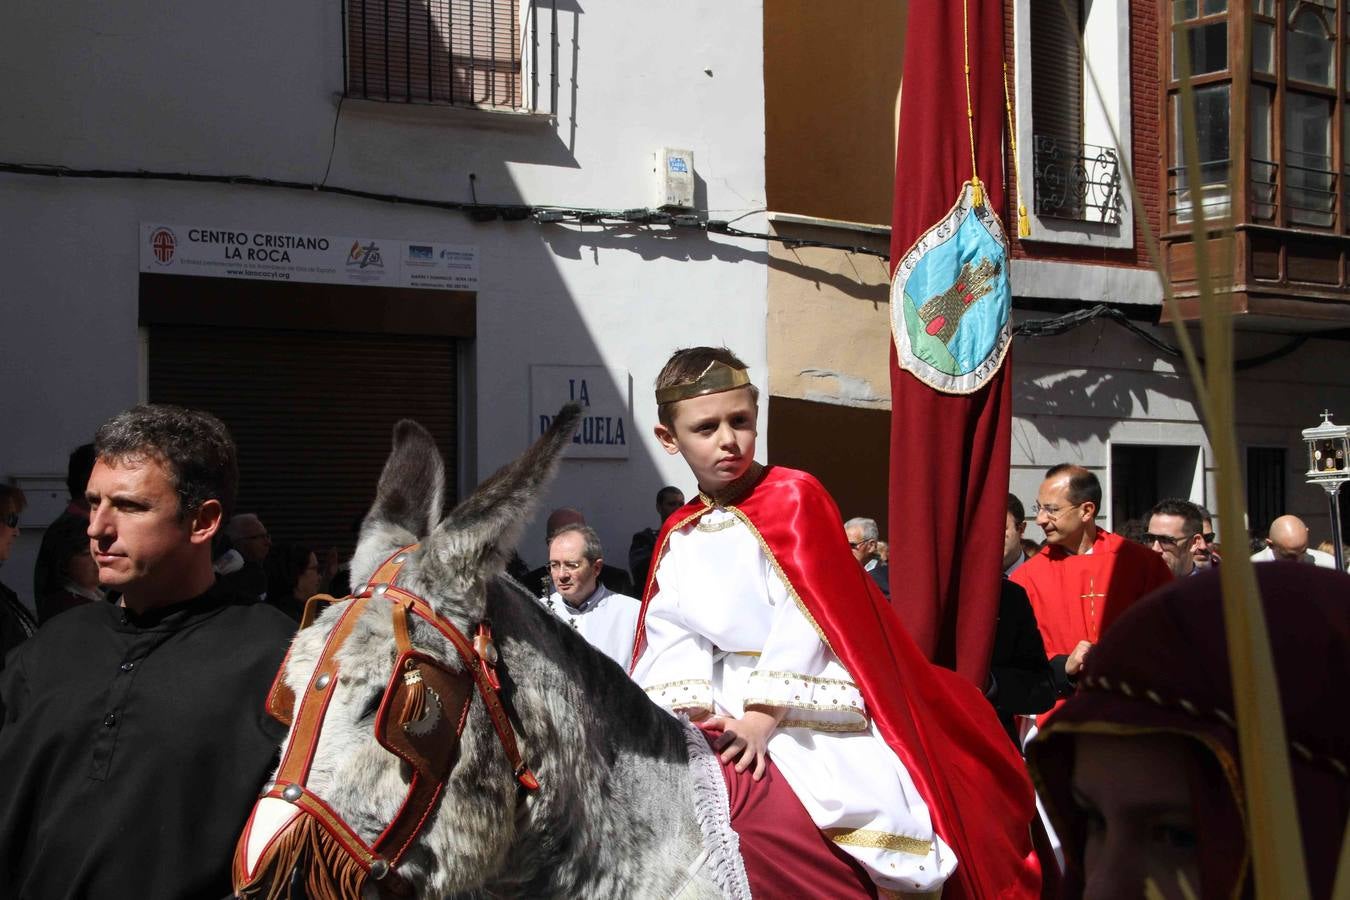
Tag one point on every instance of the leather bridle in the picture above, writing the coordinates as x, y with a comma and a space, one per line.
421, 697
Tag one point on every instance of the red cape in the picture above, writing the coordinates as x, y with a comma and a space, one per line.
1077, 597
939, 725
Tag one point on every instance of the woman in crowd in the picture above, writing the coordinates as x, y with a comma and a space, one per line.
292, 578
16, 622
1140, 771
72, 568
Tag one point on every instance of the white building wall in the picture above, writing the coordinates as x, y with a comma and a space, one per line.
1077, 394
254, 90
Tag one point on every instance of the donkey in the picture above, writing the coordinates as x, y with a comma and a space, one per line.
628, 800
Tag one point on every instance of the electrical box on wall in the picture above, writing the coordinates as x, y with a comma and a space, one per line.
675, 178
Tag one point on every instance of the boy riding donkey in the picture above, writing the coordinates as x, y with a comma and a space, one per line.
854, 767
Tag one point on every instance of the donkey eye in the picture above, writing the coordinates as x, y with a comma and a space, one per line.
372, 705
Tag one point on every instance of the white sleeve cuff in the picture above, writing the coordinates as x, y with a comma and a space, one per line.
690, 694
822, 704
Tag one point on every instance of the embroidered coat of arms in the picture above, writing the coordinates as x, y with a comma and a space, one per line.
951, 300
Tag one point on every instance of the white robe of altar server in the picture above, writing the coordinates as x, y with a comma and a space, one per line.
724, 631
608, 621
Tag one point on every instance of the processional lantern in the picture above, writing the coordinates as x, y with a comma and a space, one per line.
1329, 466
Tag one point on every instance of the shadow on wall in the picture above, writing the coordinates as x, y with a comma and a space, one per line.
684, 244
1075, 387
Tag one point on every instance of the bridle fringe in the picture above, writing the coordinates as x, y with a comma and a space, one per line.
330, 873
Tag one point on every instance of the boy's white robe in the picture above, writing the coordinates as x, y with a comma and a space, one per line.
723, 632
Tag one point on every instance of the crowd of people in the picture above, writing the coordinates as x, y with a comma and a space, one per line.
131, 686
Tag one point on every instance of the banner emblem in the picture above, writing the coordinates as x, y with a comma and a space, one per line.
951, 300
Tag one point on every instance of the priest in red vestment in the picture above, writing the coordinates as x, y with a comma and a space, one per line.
1084, 577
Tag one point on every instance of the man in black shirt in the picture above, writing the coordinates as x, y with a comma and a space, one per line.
668, 499
133, 738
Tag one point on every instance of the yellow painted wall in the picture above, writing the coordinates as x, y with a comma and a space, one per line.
831, 75
829, 320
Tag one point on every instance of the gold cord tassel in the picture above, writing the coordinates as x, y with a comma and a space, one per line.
1023, 220
415, 700
976, 192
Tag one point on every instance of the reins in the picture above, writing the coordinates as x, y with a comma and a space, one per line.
421, 696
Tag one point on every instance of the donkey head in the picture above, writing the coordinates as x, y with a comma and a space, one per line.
392, 712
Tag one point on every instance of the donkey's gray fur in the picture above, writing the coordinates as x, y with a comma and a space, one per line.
614, 816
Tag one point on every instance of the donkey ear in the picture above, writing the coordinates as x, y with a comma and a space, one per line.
477, 538
408, 500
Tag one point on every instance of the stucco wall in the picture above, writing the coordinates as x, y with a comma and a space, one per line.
254, 91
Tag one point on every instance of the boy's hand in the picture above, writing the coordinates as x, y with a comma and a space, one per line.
747, 737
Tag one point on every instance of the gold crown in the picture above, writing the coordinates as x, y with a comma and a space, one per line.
716, 378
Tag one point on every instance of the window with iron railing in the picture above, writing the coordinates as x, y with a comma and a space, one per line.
1074, 180
473, 53
1296, 171
1201, 27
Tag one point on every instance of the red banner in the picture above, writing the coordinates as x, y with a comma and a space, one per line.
949, 452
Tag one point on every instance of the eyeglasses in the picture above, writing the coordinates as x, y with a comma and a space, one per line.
856, 544
555, 565
12, 520
1209, 536
1165, 540
1052, 511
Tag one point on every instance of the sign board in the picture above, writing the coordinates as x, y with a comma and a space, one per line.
274, 255
605, 396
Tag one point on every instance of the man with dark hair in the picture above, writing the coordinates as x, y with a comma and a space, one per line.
668, 499
47, 588
1205, 553
1174, 527
1015, 525
134, 736
16, 622
1084, 577
1020, 681
242, 564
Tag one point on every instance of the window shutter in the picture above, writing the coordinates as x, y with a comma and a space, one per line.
1057, 99
462, 52
312, 414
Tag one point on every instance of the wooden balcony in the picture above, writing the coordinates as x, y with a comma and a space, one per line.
1293, 276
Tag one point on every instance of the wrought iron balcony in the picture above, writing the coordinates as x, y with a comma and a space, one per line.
1077, 181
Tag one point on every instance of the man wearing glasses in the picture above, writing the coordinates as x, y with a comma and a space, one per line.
1084, 577
606, 619
1204, 553
1176, 533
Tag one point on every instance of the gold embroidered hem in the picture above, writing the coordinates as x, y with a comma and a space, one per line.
843, 709
709, 528
884, 894
879, 840
809, 679
672, 693
826, 727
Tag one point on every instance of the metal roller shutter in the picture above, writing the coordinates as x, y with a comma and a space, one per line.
312, 414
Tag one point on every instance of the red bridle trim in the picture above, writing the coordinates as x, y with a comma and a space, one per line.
479, 659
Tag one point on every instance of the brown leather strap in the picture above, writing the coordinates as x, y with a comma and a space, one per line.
294, 767
484, 674
482, 665
313, 606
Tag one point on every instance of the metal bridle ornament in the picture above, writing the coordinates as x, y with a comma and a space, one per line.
421, 698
